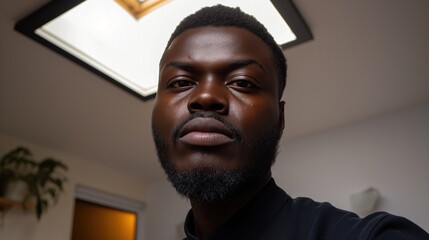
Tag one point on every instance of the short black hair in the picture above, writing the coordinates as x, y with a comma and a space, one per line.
222, 16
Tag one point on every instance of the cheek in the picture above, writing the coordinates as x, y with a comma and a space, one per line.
167, 114
256, 118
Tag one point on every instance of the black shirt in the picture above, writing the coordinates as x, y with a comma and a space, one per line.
273, 215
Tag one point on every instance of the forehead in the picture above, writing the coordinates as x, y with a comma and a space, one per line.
209, 43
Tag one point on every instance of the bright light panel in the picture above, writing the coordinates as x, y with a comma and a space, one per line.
105, 36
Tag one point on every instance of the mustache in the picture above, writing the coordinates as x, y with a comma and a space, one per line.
237, 134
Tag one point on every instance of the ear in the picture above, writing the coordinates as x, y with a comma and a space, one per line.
281, 117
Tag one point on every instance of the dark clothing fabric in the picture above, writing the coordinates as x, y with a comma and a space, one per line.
273, 215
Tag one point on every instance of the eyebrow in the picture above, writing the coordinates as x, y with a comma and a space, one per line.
242, 63
231, 66
181, 65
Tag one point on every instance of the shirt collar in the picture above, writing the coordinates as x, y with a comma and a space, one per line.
249, 222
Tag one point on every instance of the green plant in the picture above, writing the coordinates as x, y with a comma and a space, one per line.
44, 179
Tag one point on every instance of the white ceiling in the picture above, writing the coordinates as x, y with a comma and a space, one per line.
368, 58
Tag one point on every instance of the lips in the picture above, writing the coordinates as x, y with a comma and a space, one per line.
206, 132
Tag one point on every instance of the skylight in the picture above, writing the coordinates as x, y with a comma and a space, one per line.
125, 44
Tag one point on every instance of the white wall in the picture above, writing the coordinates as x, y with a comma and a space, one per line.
165, 211
57, 223
390, 152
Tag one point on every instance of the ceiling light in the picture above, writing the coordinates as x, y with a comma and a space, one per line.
123, 40
139, 8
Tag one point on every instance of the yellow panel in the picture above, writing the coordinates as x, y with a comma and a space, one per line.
96, 222
138, 9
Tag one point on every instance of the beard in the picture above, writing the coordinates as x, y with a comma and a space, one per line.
208, 184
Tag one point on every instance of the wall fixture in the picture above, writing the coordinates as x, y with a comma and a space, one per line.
122, 40
365, 202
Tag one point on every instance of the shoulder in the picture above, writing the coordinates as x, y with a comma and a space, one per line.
383, 226
308, 219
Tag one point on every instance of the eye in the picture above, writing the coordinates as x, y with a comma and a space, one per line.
181, 83
242, 83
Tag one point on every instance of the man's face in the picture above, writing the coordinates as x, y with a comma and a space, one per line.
217, 112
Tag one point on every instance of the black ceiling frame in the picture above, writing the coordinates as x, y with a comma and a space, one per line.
291, 15
55, 8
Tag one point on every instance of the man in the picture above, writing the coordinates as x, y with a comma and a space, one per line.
217, 120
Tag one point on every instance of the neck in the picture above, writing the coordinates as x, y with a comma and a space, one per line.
210, 215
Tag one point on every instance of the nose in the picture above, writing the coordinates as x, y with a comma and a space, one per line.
209, 96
